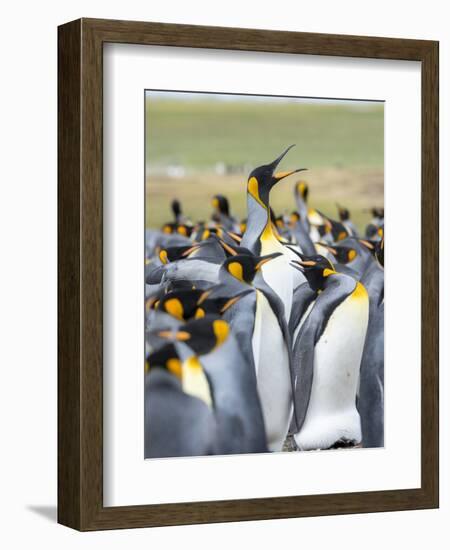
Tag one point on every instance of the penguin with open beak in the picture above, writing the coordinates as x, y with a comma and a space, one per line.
260, 235
327, 357
261, 331
209, 345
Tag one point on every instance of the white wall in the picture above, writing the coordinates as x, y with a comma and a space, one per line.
28, 271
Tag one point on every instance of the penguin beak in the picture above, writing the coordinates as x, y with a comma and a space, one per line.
307, 263
227, 248
232, 301
276, 177
367, 244
264, 259
180, 336
281, 175
235, 237
277, 161
190, 250
329, 248
203, 297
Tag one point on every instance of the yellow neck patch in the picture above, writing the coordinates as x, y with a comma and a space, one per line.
351, 255
268, 233
175, 308
235, 269
327, 272
194, 381
360, 292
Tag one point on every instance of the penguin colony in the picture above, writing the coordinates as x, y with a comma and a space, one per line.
264, 332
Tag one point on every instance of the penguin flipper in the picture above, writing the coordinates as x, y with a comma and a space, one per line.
338, 289
303, 296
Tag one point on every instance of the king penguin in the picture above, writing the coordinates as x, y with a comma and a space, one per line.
209, 345
260, 235
327, 353
371, 387
261, 330
179, 418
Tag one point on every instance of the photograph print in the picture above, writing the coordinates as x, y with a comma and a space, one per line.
264, 274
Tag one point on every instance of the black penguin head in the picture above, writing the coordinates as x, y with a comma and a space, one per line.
174, 253
316, 269
181, 304
343, 254
232, 249
201, 335
302, 190
176, 209
216, 305
344, 213
377, 212
244, 267
221, 204
263, 178
164, 358
338, 231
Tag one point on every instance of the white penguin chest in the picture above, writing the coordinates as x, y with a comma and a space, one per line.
278, 274
332, 410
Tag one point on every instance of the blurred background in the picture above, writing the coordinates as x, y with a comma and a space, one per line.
199, 145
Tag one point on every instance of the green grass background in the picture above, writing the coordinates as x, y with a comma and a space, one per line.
341, 144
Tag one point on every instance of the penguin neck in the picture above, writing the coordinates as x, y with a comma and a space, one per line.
259, 226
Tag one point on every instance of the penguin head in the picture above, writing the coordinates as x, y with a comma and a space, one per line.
343, 254
302, 190
201, 335
294, 218
338, 231
169, 228
176, 209
221, 204
166, 358
244, 267
207, 305
174, 253
263, 178
180, 304
316, 269
344, 213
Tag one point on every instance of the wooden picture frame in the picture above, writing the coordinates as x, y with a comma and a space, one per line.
80, 271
